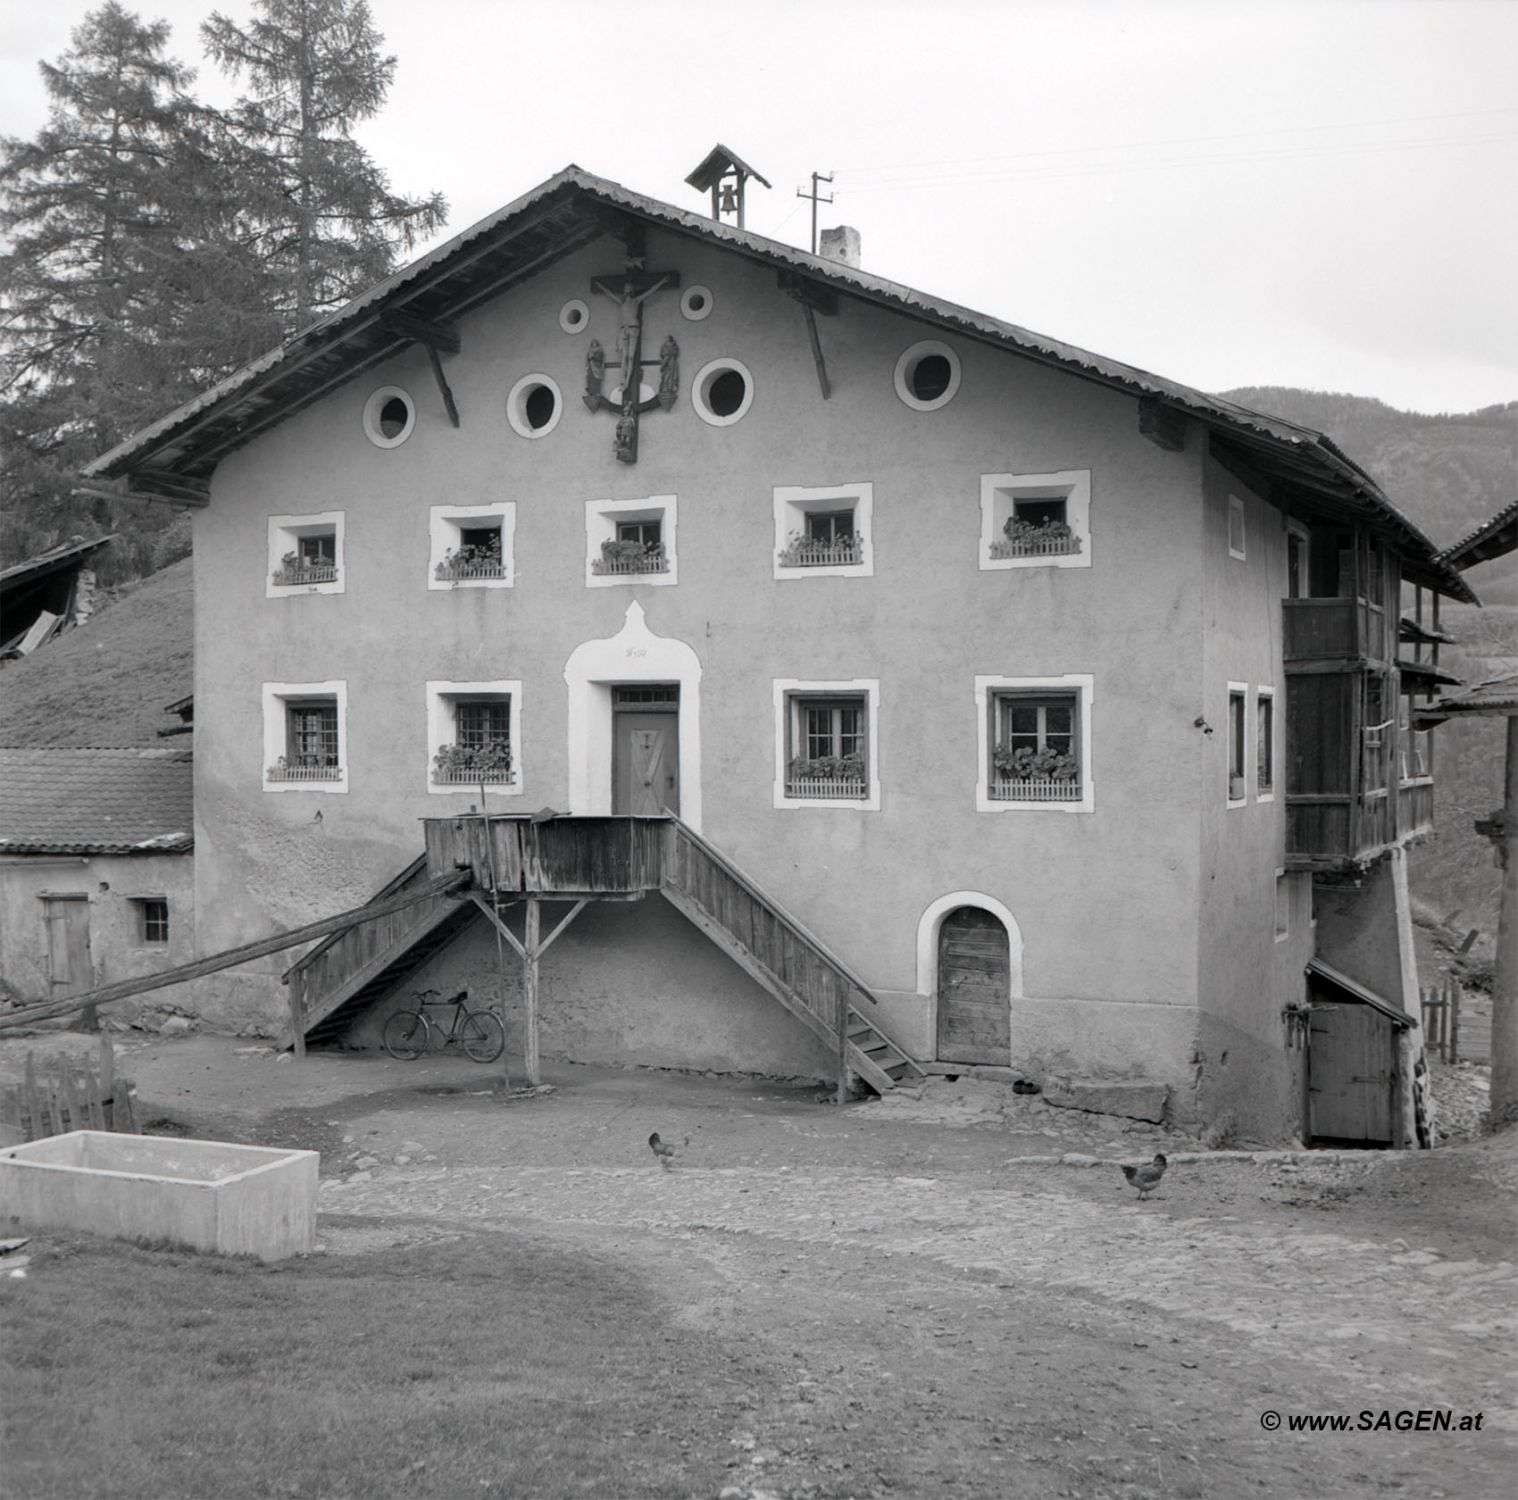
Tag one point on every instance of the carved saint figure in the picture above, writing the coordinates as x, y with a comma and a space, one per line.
627, 439
595, 373
669, 372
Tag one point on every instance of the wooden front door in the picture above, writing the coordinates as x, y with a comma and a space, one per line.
1351, 1073
974, 989
69, 969
646, 763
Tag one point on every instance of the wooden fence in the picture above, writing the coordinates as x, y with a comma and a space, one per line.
1441, 1021
79, 1095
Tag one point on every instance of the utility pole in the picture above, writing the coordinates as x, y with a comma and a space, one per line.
816, 198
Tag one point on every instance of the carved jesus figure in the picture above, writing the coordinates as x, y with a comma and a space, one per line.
631, 326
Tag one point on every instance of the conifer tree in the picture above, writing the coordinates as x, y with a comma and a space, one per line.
327, 223
80, 207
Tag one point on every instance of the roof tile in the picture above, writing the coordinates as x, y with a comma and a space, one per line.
95, 801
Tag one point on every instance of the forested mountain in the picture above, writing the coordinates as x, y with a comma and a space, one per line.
1446, 474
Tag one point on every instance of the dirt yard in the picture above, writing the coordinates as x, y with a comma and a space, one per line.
938, 1296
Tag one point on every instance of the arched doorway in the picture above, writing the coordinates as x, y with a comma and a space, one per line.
974, 988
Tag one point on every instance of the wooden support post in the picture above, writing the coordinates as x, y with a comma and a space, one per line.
811, 333
298, 1013
1454, 1021
530, 990
843, 1052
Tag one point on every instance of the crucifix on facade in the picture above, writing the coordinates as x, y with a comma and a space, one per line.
630, 289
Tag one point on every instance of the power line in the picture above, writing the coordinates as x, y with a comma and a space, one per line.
1097, 169
1193, 140
816, 198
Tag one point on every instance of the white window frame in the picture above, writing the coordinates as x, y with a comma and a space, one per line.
601, 518
445, 528
700, 391
516, 405
442, 704
285, 535
376, 404
1265, 695
999, 494
276, 696
1284, 893
787, 692
1236, 509
140, 939
1238, 690
908, 362
1082, 686
793, 503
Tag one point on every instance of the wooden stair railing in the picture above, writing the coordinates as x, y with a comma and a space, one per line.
786, 959
336, 971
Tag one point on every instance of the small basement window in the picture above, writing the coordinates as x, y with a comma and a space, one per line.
152, 914
305, 555
389, 416
723, 392
471, 546
534, 406
927, 375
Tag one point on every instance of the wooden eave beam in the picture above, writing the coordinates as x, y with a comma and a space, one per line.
109, 492
421, 330
1163, 425
820, 299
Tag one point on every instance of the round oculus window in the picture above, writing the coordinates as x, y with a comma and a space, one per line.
723, 392
534, 406
574, 316
389, 416
696, 303
927, 375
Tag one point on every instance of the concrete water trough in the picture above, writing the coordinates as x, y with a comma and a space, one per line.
208, 1195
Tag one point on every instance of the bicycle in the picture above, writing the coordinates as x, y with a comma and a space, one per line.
408, 1033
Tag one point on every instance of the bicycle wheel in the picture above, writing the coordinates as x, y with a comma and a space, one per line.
482, 1035
407, 1035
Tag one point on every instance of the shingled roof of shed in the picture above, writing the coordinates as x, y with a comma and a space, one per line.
96, 801
175, 456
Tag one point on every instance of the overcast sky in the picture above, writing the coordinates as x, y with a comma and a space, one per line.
1320, 194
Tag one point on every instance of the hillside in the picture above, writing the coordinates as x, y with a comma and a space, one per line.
1447, 474
106, 683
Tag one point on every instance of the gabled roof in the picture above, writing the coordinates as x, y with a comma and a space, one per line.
176, 456
66, 801
1496, 538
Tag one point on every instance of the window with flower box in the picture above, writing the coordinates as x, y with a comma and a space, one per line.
305, 554
304, 736
631, 541
1035, 743
471, 546
824, 532
1036, 520
473, 737
825, 740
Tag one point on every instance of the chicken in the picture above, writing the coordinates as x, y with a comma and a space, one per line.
665, 1154
1147, 1177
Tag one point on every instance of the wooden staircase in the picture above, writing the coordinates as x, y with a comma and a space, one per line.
579, 859
787, 960
332, 983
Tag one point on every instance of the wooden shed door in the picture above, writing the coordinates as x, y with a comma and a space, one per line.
1351, 1071
69, 970
974, 989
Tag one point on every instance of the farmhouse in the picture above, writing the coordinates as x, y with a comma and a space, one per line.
991, 701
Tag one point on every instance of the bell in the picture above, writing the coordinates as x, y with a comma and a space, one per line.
729, 198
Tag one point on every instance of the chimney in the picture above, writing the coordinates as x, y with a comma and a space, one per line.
840, 244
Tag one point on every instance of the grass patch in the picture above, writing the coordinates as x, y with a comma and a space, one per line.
488, 1366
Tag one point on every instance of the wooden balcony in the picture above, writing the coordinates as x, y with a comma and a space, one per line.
1332, 631
553, 856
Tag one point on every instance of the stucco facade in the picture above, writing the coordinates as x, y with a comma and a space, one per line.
1145, 918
